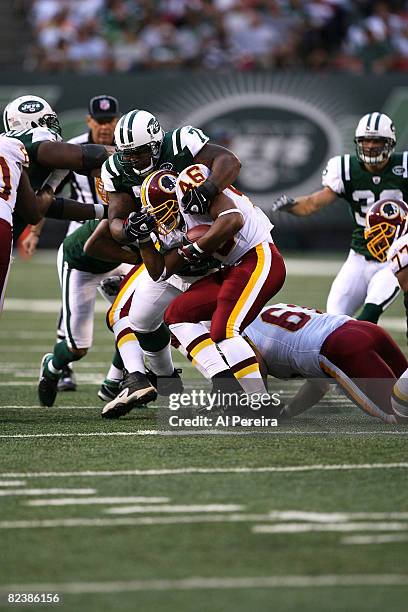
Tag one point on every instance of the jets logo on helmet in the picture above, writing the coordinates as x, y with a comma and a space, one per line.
375, 138
138, 139
386, 221
28, 112
158, 195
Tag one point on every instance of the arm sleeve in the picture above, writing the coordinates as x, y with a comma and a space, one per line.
331, 176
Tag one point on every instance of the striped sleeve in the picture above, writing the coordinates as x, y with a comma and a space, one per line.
109, 173
333, 175
190, 138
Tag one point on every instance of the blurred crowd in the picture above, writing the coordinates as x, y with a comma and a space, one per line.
99, 36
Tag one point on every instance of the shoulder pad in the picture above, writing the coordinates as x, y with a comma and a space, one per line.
333, 175
188, 137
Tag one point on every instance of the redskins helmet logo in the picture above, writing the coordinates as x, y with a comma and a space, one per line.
167, 183
390, 210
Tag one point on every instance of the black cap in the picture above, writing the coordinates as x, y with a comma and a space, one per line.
103, 107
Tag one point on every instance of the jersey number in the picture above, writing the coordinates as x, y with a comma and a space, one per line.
283, 320
5, 183
367, 196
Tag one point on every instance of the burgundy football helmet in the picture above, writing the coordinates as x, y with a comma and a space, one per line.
386, 221
158, 195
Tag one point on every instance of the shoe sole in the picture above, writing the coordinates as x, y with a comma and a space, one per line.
119, 407
47, 404
66, 387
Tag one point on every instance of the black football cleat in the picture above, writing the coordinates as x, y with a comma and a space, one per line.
47, 385
166, 385
67, 380
136, 390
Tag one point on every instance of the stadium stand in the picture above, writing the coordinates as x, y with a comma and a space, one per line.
99, 36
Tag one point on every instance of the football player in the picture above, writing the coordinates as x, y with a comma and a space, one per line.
147, 300
15, 193
32, 121
239, 236
387, 240
292, 341
375, 172
103, 115
143, 146
80, 276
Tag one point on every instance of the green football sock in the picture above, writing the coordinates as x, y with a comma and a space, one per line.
62, 356
370, 312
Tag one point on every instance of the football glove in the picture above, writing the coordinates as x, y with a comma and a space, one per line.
191, 253
282, 203
138, 226
197, 200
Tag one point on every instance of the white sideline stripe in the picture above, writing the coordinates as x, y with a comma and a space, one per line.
191, 584
329, 517
375, 539
8, 493
308, 527
201, 432
85, 501
204, 470
174, 509
42, 306
146, 520
12, 483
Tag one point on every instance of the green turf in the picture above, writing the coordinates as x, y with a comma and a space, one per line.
333, 433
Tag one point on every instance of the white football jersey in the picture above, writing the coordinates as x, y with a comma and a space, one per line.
256, 229
290, 337
13, 157
398, 254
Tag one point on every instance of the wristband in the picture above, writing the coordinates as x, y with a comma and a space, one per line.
99, 211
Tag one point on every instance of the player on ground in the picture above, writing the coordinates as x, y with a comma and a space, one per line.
375, 172
360, 356
239, 236
387, 240
80, 276
143, 146
103, 115
15, 193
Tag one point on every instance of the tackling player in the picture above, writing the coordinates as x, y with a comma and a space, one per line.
32, 121
143, 146
375, 172
387, 240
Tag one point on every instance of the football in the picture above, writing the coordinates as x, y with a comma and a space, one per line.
197, 232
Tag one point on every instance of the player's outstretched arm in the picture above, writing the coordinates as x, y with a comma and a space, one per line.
72, 156
308, 395
101, 245
304, 205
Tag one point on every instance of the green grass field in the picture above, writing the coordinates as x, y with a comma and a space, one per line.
310, 516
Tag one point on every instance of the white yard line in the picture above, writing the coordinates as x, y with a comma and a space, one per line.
375, 539
204, 470
85, 501
10, 492
203, 432
199, 583
347, 526
175, 509
333, 517
12, 483
129, 521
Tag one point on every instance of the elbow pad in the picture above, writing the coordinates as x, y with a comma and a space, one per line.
93, 156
